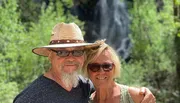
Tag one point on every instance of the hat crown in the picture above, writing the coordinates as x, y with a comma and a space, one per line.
63, 31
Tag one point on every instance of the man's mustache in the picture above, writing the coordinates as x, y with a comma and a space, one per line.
71, 63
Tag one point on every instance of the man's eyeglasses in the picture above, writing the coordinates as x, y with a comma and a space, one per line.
64, 53
95, 67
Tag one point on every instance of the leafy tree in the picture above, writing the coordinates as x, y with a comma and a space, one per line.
19, 66
11, 32
8, 91
153, 52
177, 39
30, 10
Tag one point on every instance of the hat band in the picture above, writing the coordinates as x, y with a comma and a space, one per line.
65, 41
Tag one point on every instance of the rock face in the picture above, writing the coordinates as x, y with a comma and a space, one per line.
105, 19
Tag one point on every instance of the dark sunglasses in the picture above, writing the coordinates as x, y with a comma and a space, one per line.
95, 67
64, 53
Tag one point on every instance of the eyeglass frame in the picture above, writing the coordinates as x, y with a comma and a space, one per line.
105, 69
72, 52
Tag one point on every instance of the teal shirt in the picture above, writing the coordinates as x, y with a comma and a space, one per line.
125, 96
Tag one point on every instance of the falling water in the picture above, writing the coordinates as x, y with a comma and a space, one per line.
105, 19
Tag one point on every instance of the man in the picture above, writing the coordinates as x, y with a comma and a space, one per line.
61, 84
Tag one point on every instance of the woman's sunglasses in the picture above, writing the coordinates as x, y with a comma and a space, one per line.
64, 53
95, 67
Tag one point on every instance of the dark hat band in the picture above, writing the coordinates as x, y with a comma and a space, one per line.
65, 41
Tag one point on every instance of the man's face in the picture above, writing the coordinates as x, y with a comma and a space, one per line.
69, 63
66, 63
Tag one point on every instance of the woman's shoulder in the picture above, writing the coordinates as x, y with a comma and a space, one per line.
135, 94
125, 97
130, 94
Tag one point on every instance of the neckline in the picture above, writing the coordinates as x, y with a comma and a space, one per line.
58, 85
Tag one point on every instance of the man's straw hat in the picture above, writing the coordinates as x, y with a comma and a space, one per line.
65, 36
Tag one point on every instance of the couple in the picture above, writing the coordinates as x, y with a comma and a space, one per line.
68, 53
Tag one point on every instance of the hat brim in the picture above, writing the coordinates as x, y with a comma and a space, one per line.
45, 50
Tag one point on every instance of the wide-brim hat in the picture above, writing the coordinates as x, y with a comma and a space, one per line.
65, 36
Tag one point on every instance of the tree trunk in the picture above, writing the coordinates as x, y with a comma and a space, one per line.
177, 45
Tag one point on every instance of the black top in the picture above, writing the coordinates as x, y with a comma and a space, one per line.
45, 90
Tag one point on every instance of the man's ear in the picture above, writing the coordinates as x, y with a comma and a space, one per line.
50, 56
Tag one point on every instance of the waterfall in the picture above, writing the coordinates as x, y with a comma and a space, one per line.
105, 19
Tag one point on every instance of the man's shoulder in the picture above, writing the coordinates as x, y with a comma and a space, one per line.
83, 79
32, 92
86, 84
26, 97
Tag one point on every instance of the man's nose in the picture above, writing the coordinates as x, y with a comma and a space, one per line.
70, 57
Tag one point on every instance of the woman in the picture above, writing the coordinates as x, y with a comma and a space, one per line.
102, 67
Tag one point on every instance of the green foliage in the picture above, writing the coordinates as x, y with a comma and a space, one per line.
177, 2
11, 31
131, 74
8, 91
30, 10
18, 65
10, 34
153, 55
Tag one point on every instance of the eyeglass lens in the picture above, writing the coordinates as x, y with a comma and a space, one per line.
64, 53
95, 67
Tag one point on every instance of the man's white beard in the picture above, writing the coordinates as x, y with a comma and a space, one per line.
70, 79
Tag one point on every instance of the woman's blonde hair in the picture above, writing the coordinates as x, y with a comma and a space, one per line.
93, 54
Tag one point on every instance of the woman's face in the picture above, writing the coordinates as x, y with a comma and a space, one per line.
101, 76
